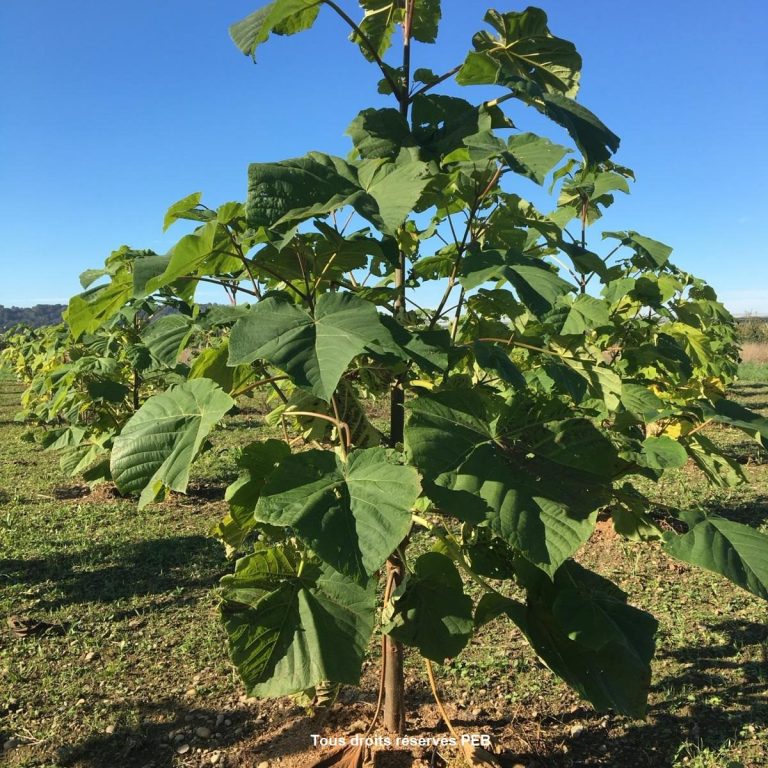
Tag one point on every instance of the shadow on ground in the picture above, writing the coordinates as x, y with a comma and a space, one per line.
753, 513
106, 573
167, 730
720, 711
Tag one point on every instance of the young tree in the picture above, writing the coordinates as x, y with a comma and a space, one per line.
546, 376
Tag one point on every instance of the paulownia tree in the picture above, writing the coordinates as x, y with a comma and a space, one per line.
547, 372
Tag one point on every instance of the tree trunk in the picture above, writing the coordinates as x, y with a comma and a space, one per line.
394, 680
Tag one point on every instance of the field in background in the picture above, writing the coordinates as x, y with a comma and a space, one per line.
753, 352
132, 671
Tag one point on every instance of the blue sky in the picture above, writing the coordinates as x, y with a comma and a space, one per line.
112, 111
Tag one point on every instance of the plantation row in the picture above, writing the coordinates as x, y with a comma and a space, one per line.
554, 369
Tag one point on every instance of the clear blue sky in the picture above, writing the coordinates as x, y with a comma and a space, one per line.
112, 111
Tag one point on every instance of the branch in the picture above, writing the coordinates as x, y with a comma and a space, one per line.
274, 274
221, 283
241, 256
369, 45
439, 80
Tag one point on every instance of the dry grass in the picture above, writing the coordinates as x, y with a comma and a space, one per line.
752, 352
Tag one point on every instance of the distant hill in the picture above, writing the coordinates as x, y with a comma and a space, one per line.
40, 314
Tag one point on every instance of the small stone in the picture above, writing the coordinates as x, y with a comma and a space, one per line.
202, 732
191, 693
90, 656
577, 729
219, 720
80, 702
357, 726
228, 722
263, 764
179, 737
477, 711
214, 758
109, 729
182, 749
188, 718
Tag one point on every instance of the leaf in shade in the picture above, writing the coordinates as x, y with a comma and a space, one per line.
432, 613
582, 628
291, 630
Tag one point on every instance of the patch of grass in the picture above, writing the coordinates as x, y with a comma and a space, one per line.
139, 663
753, 371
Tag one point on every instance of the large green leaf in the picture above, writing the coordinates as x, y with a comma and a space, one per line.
650, 253
313, 350
663, 453
432, 613
291, 629
542, 512
208, 250
595, 140
525, 50
211, 364
735, 415
582, 628
187, 208
428, 349
281, 17
380, 133
89, 310
538, 286
167, 336
533, 156
602, 381
733, 550
257, 462
352, 513
540, 494
641, 402
383, 16
325, 256
381, 190
495, 358
443, 429
584, 314
525, 153
156, 447
148, 268
396, 187
441, 124
720, 469
291, 191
